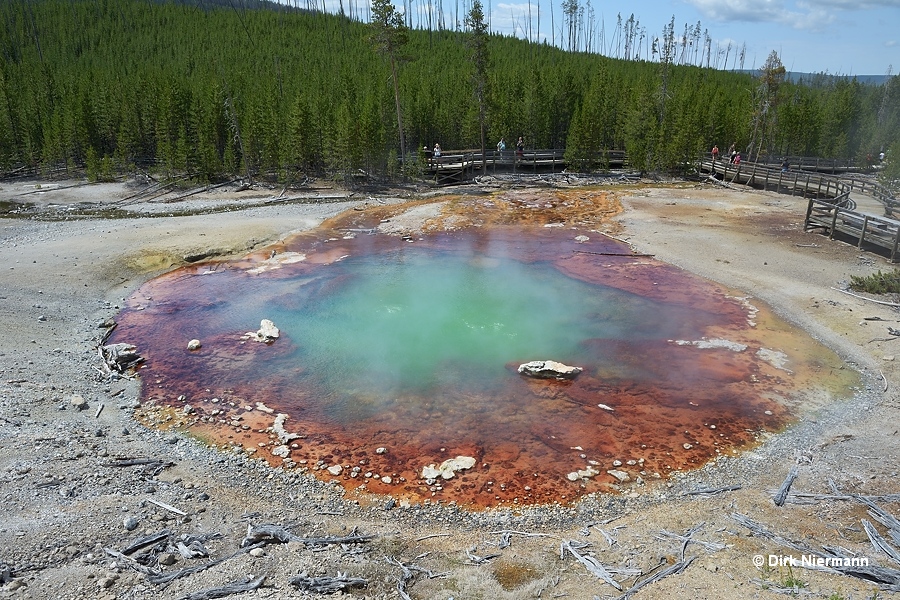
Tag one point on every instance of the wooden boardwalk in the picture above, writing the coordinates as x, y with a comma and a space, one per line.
459, 165
802, 183
830, 207
833, 218
805, 183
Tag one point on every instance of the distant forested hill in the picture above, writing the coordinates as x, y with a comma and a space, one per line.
215, 89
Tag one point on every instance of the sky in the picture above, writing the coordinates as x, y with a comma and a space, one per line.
839, 37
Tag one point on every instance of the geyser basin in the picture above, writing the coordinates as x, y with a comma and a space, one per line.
396, 356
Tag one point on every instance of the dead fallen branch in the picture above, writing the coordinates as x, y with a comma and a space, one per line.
864, 298
120, 357
782, 493
433, 535
167, 507
268, 534
227, 590
408, 574
794, 497
627, 254
879, 543
673, 570
147, 540
328, 585
479, 560
590, 563
688, 538
829, 559
712, 491
879, 514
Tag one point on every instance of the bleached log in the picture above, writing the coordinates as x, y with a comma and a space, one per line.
781, 494
328, 585
227, 590
590, 563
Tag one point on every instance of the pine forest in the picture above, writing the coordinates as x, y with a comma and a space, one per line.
213, 90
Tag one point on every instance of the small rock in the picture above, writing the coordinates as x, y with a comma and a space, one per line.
194, 345
267, 332
622, 476
167, 559
380, 450
335, 470
448, 468
548, 369
617, 463
687, 446
257, 552
889, 358
387, 479
79, 402
130, 523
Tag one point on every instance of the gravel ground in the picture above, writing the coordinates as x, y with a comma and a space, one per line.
68, 497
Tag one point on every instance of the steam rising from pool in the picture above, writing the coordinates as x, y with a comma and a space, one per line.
394, 356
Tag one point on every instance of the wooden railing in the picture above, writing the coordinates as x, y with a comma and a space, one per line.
455, 165
830, 216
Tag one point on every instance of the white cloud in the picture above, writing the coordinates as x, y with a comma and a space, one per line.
859, 5
803, 15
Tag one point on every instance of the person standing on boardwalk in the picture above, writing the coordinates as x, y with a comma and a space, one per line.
520, 148
715, 152
437, 150
732, 152
501, 145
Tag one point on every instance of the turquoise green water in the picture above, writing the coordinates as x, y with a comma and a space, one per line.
413, 321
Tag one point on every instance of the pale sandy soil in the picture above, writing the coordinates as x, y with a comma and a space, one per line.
63, 503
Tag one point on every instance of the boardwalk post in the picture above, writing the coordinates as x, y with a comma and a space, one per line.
862, 234
808, 213
896, 242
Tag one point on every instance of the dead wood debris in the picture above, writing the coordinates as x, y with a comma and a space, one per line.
593, 565
479, 560
119, 358
782, 493
883, 303
408, 572
506, 536
328, 585
712, 491
167, 507
672, 570
147, 540
227, 590
268, 534
879, 543
811, 498
836, 560
688, 538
